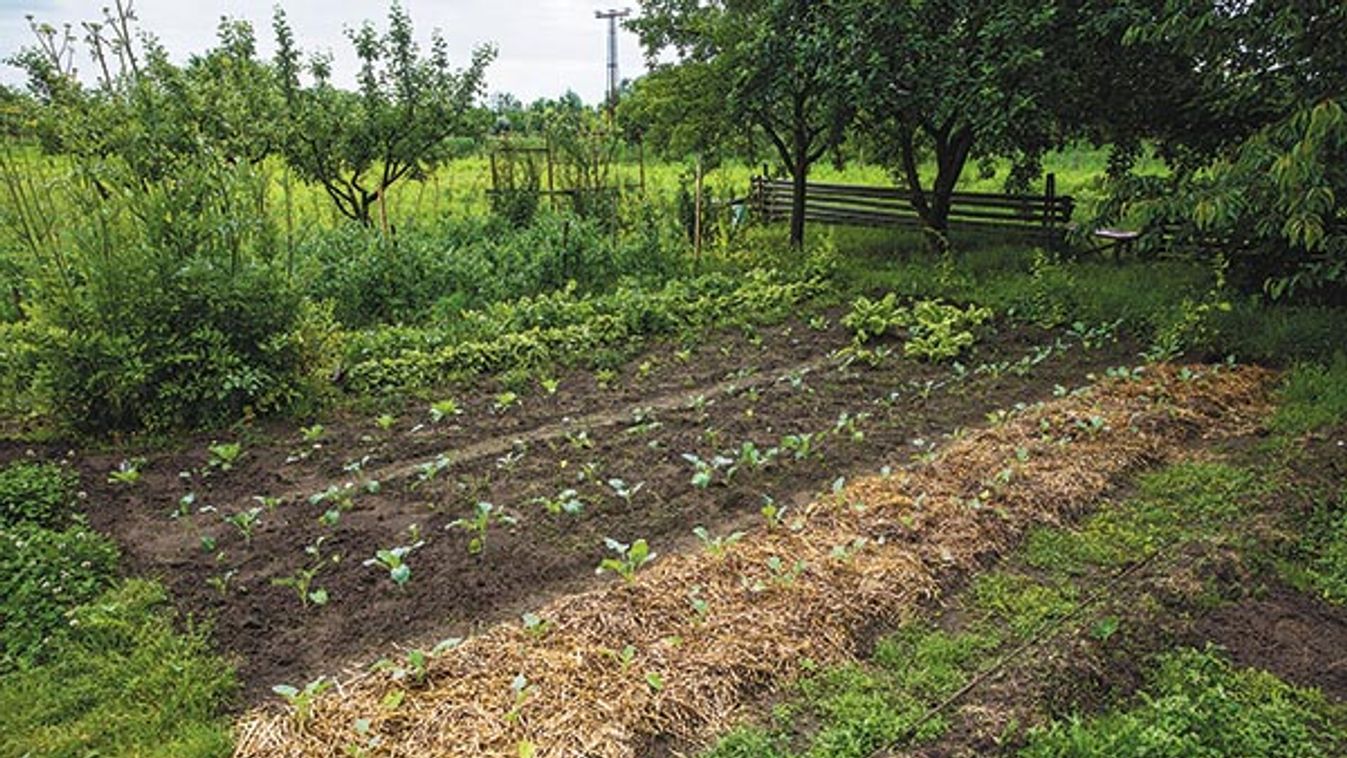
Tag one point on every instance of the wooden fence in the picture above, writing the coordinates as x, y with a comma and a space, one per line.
1046, 215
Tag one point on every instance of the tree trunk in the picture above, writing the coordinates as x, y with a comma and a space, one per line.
799, 174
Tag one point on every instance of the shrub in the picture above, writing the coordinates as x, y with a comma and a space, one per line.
202, 348
44, 573
123, 681
35, 493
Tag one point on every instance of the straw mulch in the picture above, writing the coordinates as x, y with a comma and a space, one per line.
867, 558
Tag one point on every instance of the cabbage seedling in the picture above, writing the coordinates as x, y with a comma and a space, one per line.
311, 433
630, 558
716, 546
127, 472
443, 410
301, 701
395, 561
224, 456
802, 445
385, 421
567, 501
622, 490
506, 400
246, 522
484, 515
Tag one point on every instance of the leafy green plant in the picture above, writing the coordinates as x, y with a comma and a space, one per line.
444, 409
628, 558
385, 421
625, 491
567, 501
246, 522
716, 546
484, 515
394, 560
869, 319
505, 401
127, 472
301, 701
801, 445
223, 456
44, 573
703, 473
301, 581
36, 493
312, 434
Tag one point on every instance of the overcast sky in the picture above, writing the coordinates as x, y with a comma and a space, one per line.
546, 46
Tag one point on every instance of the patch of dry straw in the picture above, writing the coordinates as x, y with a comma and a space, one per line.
869, 556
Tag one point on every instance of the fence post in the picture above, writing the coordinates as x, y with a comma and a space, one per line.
1050, 209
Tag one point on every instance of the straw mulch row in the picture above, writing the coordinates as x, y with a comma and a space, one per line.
864, 558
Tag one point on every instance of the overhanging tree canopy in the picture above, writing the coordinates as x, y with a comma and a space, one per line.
777, 66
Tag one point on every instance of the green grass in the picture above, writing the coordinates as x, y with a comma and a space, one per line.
1313, 397
853, 710
1197, 704
123, 682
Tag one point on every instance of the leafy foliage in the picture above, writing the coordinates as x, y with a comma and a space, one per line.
36, 493
44, 573
396, 125
123, 680
1197, 704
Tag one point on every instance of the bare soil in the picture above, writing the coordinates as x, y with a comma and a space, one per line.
736, 388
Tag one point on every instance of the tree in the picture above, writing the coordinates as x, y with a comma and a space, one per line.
1257, 150
776, 66
959, 80
396, 125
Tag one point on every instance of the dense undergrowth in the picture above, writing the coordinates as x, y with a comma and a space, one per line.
90, 663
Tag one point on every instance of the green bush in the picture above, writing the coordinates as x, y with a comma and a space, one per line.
123, 681
36, 493
432, 273
202, 348
1198, 705
43, 574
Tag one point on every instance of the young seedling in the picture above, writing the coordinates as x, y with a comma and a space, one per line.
566, 501
444, 409
505, 401
301, 701
385, 421
395, 561
534, 625
223, 456
771, 512
704, 473
630, 558
752, 458
716, 546
484, 515
127, 472
221, 581
549, 385
522, 690
302, 580
802, 445
427, 471
246, 522
311, 434
622, 490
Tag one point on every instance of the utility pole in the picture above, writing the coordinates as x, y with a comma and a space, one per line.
614, 79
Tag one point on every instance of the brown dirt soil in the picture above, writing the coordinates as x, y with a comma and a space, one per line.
917, 530
726, 392
1298, 637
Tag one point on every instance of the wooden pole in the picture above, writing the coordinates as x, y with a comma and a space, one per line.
697, 214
